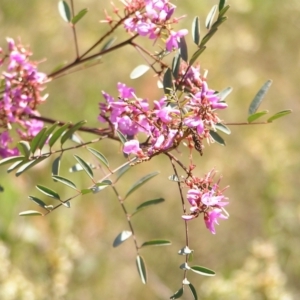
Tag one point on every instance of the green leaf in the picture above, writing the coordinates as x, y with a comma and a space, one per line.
219, 22
38, 201
70, 131
122, 237
141, 268
78, 168
12, 159
255, 103
16, 165
79, 16
122, 137
29, 165
279, 115
257, 115
64, 181
64, 11
223, 128
217, 138
139, 71
85, 166
98, 187
183, 49
177, 294
224, 93
108, 44
221, 4
147, 204
168, 82
202, 271
100, 156
37, 139
30, 213
174, 178
156, 243
24, 148
48, 192
223, 11
56, 165
176, 65
210, 17
196, 30
85, 191
193, 291
58, 133
122, 171
208, 36
46, 135
140, 182
196, 55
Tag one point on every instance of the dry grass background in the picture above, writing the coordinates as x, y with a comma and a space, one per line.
69, 254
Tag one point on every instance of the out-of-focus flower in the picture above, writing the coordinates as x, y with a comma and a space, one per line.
22, 89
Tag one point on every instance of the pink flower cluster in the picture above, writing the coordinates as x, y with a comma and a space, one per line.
165, 125
208, 199
152, 18
21, 95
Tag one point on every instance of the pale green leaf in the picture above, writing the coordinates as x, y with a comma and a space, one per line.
140, 182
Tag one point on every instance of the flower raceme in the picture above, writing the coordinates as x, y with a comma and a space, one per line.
21, 95
152, 19
207, 199
166, 124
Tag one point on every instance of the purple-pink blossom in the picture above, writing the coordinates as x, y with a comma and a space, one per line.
23, 85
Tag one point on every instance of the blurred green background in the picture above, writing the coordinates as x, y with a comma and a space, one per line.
69, 253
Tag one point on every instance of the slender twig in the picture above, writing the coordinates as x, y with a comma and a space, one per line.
184, 211
74, 31
82, 60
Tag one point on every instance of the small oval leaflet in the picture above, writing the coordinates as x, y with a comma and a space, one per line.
48, 192
11, 159
139, 71
202, 271
64, 11
140, 182
64, 181
217, 138
85, 166
30, 213
279, 115
156, 243
177, 294
147, 204
24, 148
257, 115
141, 269
210, 17
79, 16
196, 31
122, 237
255, 103
193, 291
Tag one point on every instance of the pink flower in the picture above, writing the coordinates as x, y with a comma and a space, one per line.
211, 219
172, 41
132, 147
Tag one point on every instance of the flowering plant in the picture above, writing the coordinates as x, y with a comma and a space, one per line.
185, 115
